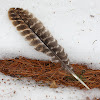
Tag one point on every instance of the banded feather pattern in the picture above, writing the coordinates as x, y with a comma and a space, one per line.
34, 31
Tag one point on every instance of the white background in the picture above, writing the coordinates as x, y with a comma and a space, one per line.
76, 26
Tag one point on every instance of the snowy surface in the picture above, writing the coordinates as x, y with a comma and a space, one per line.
76, 26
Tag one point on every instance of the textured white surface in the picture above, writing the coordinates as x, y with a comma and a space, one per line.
76, 26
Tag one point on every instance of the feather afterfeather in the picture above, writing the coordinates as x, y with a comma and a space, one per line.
34, 31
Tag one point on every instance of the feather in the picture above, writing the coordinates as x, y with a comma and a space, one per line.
34, 31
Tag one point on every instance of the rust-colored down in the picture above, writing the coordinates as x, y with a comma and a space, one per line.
50, 73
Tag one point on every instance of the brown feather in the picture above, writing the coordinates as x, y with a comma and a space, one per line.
34, 31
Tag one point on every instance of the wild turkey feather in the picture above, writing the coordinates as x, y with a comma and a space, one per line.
34, 31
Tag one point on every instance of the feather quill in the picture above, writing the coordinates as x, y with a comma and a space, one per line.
34, 31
